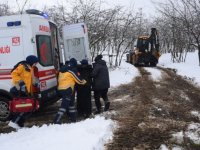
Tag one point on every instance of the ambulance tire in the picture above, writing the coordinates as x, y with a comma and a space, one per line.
4, 109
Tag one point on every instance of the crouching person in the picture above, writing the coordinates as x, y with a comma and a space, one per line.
22, 79
68, 77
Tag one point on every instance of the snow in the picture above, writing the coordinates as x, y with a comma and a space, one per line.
163, 147
85, 135
190, 69
196, 114
178, 137
155, 73
123, 74
193, 133
93, 134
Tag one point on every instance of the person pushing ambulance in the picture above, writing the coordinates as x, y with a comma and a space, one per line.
68, 77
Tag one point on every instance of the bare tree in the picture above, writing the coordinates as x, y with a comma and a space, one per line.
21, 7
185, 25
5, 9
112, 30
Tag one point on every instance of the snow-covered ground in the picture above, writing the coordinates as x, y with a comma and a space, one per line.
123, 74
190, 69
92, 134
86, 135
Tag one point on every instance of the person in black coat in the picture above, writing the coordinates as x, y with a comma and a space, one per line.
101, 83
84, 104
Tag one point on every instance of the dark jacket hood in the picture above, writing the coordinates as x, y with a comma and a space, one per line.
31, 59
102, 62
64, 68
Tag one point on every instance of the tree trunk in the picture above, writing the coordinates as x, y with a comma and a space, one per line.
199, 54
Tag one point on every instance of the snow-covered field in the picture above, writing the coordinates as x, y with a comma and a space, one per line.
190, 69
92, 134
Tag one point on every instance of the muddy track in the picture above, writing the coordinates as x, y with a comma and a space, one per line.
150, 111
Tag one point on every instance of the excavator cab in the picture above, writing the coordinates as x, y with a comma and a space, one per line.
146, 52
143, 43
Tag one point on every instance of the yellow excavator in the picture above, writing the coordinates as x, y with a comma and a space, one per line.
146, 52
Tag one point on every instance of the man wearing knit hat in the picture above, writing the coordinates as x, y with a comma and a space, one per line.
67, 79
22, 80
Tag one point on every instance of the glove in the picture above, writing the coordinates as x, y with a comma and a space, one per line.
21, 83
84, 81
14, 91
23, 88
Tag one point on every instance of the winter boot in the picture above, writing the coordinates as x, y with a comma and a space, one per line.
98, 111
21, 122
72, 116
57, 119
14, 125
107, 106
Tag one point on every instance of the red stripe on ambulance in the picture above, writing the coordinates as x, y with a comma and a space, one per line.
48, 78
5, 78
47, 73
5, 72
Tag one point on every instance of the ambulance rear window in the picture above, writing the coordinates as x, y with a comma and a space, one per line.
44, 50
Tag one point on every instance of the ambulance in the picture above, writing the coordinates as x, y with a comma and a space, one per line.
76, 43
26, 34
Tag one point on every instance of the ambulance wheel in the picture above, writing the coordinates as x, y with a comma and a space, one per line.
4, 109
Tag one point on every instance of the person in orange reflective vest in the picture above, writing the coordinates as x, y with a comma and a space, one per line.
68, 77
22, 80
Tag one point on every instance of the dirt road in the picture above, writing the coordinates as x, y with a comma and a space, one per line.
148, 112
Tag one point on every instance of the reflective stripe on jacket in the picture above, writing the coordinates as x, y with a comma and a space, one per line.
68, 79
22, 73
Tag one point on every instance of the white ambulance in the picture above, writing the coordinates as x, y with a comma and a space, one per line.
76, 44
22, 35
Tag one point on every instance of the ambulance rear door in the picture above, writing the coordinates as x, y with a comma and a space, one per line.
47, 72
76, 43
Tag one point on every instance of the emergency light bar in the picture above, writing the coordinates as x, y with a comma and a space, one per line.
37, 12
13, 23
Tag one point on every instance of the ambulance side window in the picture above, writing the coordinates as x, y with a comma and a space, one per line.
44, 50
